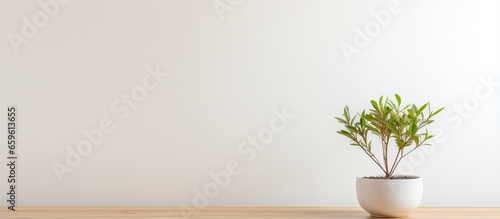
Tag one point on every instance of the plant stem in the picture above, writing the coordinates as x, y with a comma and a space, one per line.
371, 155
393, 168
385, 145
403, 155
375, 160
384, 152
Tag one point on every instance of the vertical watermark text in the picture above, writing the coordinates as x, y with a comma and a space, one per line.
12, 144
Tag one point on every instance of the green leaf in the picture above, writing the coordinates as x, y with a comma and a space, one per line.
350, 128
341, 120
374, 104
427, 137
352, 120
398, 98
419, 111
414, 108
411, 113
345, 133
400, 143
416, 139
437, 111
346, 113
380, 101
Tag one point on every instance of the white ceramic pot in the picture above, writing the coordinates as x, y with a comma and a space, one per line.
389, 197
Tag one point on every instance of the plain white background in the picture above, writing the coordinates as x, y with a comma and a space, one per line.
226, 78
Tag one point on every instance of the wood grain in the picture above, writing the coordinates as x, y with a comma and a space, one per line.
237, 213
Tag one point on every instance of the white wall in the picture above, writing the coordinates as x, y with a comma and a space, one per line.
226, 76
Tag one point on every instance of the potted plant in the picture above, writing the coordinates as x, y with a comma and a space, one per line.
389, 195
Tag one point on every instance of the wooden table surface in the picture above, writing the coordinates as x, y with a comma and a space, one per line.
237, 212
